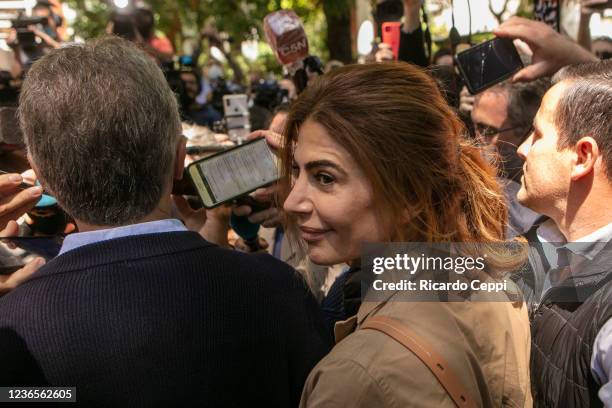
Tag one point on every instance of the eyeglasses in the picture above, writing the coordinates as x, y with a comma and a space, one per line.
490, 131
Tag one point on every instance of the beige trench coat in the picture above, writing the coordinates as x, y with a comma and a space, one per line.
487, 344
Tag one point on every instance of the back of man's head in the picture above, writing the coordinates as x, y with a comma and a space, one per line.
585, 107
101, 126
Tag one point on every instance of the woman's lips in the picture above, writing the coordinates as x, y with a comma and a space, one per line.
313, 234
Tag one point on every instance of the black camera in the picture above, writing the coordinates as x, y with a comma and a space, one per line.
25, 37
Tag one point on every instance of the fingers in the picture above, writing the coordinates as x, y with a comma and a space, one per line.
243, 210
273, 222
263, 244
521, 28
182, 206
265, 194
273, 139
261, 216
14, 206
532, 72
10, 282
11, 230
9, 183
29, 176
243, 247
466, 101
194, 220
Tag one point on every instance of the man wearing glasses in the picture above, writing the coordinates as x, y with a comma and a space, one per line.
502, 117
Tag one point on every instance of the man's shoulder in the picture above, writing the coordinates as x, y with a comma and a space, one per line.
186, 255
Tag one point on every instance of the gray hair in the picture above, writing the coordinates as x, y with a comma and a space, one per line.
585, 108
101, 125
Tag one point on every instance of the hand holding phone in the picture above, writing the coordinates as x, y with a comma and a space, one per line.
225, 176
551, 50
488, 63
16, 197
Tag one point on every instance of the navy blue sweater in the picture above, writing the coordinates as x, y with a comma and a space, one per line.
163, 320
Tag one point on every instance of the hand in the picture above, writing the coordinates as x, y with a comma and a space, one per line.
12, 36
384, 53
270, 217
15, 202
412, 15
212, 225
44, 37
240, 245
466, 101
551, 50
275, 140
10, 282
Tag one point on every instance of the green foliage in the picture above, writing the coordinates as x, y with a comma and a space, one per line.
92, 17
181, 19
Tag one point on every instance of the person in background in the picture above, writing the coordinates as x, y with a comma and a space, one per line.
49, 34
46, 36
342, 187
587, 9
191, 110
443, 56
137, 310
412, 42
123, 25
502, 116
160, 47
602, 47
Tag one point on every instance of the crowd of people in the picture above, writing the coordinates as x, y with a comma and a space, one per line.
147, 303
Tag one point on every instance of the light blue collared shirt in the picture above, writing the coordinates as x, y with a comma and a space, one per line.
80, 239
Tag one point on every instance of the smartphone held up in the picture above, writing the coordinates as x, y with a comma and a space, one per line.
488, 63
228, 175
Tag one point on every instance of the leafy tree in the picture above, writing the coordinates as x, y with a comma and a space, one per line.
183, 19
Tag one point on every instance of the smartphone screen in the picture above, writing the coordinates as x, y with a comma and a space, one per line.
489, 63
233, 173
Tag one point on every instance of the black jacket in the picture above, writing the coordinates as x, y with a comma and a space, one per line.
564, 325
164, 320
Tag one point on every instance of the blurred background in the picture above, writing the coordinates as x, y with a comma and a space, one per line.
339, 30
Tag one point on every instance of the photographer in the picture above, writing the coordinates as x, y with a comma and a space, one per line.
31, 38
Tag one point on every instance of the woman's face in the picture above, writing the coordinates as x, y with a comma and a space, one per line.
331, 198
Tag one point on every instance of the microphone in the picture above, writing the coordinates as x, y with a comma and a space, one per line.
286, 36
246, 230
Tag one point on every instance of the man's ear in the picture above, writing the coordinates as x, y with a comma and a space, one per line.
179, 158
585, 155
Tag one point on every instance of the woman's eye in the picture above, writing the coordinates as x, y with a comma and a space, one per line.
295, 170
324, 179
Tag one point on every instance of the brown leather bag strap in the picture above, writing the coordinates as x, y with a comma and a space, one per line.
435, 362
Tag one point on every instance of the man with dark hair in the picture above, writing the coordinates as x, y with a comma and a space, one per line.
502, 115
568, 177
136, 310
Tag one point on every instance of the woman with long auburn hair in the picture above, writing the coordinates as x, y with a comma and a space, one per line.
372, 153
